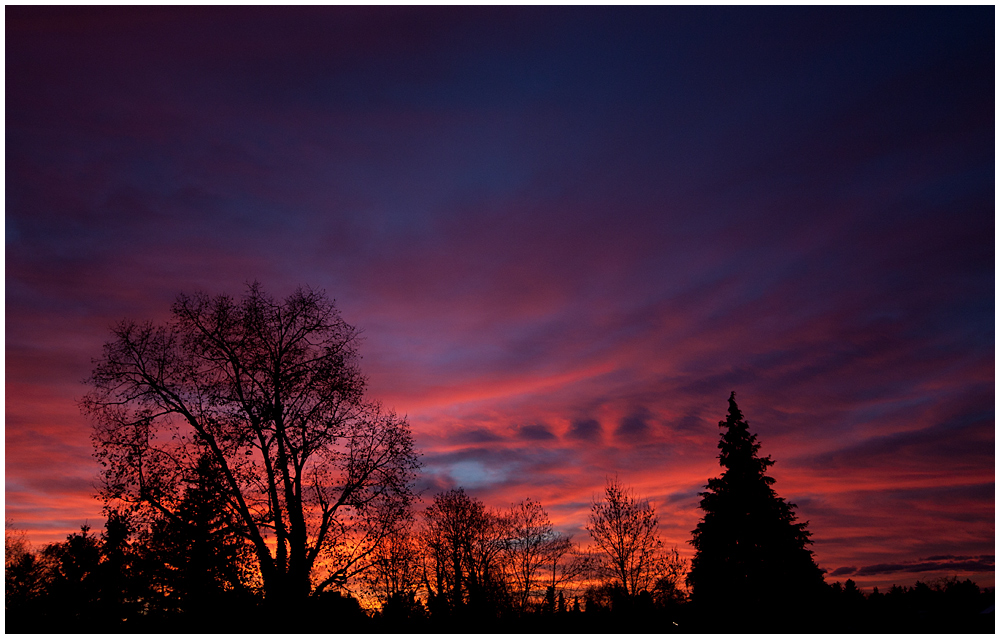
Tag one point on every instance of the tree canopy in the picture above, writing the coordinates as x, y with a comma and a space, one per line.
269, 395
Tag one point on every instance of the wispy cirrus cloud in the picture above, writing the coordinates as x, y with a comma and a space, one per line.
943, 563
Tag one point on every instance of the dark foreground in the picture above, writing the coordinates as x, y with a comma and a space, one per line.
946, 607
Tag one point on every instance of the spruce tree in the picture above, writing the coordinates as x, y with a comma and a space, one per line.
202, 552
751, 557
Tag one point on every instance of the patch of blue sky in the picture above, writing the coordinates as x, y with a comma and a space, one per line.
473, 474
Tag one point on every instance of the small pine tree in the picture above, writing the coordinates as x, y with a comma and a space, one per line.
202, 551
751, 557
550, 600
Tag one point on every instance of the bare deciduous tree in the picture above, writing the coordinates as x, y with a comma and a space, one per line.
566, 564
530, 545
272, 393
395, 569
624, 527
670, 572
463, 541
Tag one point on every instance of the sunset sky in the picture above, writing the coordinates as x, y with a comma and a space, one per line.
566, 233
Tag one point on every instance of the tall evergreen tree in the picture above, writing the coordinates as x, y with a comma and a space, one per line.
751, 557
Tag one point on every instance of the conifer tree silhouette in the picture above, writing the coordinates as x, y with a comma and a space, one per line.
750, 551
202, 553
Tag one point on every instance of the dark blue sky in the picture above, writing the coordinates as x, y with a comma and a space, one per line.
567, 233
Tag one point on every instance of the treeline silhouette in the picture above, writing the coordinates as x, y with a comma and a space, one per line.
456, 571
251, 486
455, 566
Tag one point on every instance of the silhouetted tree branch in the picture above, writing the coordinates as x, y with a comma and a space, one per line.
272, 393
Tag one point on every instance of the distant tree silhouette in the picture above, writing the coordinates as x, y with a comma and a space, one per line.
624, 527
272, 393
549, 607
395, 572
73, 581
946, 605
531, 544
462, 571
15, 543
25, 581
86, 581
566, 564
122, 590
751, 556
605, 597
403, 612
667, 591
